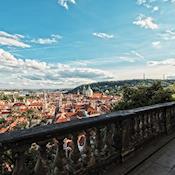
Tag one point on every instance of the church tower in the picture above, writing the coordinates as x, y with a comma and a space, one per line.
89, 92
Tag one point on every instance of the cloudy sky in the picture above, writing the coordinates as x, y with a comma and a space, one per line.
65, 43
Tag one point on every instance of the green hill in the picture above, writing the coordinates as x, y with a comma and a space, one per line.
116, 86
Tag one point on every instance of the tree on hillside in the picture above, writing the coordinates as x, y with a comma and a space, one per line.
134, 97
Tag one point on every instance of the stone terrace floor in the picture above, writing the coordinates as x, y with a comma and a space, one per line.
162, 162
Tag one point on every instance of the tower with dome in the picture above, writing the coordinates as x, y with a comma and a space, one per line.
87, 92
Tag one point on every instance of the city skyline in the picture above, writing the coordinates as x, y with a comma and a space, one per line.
65, 43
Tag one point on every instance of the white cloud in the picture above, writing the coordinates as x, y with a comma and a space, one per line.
156, 44
15, 36
103, 35
171, 1
8, 39
166, 62
168, 35
141, 2
149, 4
51, 40
146, 22
131, 57
30, 73
155, 8
6, 55
65, 3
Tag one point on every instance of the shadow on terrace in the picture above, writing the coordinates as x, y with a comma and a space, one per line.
122, 142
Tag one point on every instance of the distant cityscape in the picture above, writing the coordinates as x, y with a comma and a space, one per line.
22, 109
25, 109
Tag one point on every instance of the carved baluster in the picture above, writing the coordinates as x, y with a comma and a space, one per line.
138, 129
126, 137
76, 152
153, 122
142, 126
168, 120
117, 139
159, 129
41, 167
92, 149
19, 168
135, 130
99, 143
103, 142
131, 132
149, 125
145, 125
60, 161
153, 126
82, 146
75, 156
161, 121
104, 139
157, 122
110, 151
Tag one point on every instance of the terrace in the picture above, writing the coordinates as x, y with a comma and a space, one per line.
138, 141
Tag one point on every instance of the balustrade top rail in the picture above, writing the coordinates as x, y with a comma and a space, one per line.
40, 133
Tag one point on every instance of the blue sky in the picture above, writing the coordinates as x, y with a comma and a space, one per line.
64, 43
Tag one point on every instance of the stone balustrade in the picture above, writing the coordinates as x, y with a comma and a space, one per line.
83, 146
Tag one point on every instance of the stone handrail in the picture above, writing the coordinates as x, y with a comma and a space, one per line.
83, 146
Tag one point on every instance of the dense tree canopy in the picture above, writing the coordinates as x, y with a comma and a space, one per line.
134, 97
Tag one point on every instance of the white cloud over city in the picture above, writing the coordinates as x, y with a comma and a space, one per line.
15, 40
156, 44
102, 35
149, 4
66, 3
165, 62
146, 22
49, 40
39, 74
167, 35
